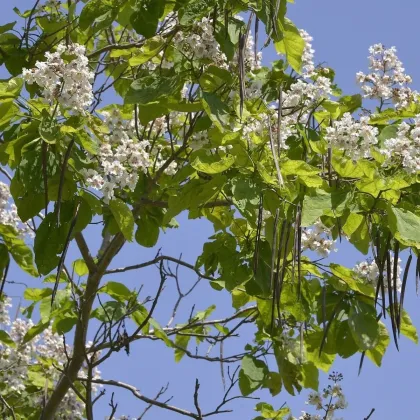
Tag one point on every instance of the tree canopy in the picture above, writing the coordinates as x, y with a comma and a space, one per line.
126, 114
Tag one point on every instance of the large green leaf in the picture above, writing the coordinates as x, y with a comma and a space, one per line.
150, 89
292, 44
365, 330
211, 163
123, 216
216, 109
405, 225
252, 374
146, 16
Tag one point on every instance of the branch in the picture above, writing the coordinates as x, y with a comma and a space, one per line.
155, 261
84, 250
165, 205
141, 397
80, 334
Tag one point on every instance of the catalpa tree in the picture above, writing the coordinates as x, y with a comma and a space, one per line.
118, 117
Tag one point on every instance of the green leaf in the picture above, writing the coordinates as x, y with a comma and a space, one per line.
80, 267
36, 294
193, 10
49, 242
252, 374
4, 259
352, 280
21, 253
34, 331
95, 11
298, 167
7, 27
405, 226
217, 110
376, 354
407, 327
292, 45
147, 233
314, 207
6, 339
118, 291
365, 330
146, 16
310, 376
211, 164
123, 216
110, 311
150, 89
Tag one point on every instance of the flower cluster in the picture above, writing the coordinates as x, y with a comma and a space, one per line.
16, 362
368, 271
69, 81
404, 148
8, 212
201, 43
308, 66
329, 401
354, 137
387, 79
123, 156
317, 239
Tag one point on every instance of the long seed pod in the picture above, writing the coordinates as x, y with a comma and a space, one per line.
258, 235
273, 151
362, 358
257, 21
394, 281
45, 174
390, 298
277, 279
3, 280
62, 176
286, 244
404, 283
241, 66
299, 251
279, 118
417, 275
273, 263
330, 321
64, 253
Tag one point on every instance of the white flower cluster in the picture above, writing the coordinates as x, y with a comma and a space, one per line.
122, 156
16, 362
317, 239
387, 79
8, 212
329, 401
308, 66
5, 304
404, 149
354, 137
201, 43
68, 82
369, 272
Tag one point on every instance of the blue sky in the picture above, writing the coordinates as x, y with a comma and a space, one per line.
342, 32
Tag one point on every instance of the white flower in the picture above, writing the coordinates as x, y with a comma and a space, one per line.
317, 239
70, 83
354, 137
369, 271
387, 79
404, 149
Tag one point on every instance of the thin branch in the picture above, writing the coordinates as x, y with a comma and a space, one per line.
141, 397
155, 261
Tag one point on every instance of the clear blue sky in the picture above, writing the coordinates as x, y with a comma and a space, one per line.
342, 33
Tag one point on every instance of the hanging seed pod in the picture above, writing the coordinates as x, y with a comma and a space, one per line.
404, 283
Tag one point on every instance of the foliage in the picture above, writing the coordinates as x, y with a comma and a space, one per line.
272, 156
